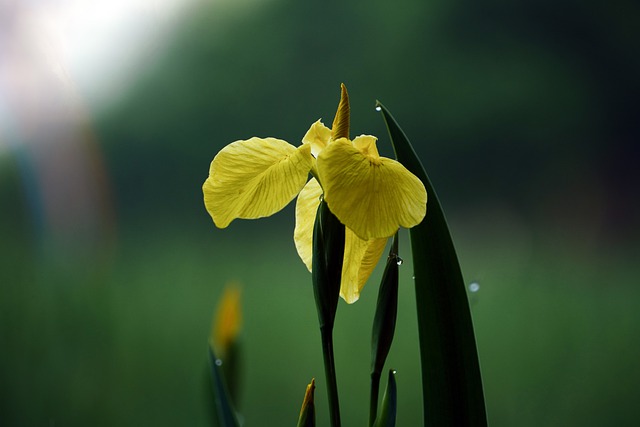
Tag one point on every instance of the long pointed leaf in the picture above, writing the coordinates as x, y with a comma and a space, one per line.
384, 324
451, 380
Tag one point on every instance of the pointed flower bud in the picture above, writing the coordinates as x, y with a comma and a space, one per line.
308, 410
340, 126
328, 257
224, 338
227, 320
384, 322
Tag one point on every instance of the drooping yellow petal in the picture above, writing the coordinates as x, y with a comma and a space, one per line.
360, 259
371, 196
367, 146
318, 136
360, 256
255, 178
306, 208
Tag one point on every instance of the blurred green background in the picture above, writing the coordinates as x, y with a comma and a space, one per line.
110, 268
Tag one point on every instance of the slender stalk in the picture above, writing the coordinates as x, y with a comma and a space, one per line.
373, 402
330, 373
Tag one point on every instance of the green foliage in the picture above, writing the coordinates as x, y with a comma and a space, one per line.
76, 343
530, 106
328, 251
387, 416
451, 381
384, 323
224, 408
328, 256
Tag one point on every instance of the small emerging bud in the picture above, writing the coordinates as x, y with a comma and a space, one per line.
226, 320
224, 339
308, 411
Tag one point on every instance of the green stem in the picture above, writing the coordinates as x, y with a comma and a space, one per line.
373, 402
330, 373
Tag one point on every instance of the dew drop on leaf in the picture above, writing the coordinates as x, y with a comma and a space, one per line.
474, 287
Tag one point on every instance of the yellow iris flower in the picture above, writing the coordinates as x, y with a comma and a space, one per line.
371, 195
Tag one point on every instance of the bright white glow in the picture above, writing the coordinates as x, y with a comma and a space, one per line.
105, 44
54, 53
56, 58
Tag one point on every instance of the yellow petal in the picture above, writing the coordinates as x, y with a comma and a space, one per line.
306, 208
367, 146
318, 136
360, 259
360, 256
372, 197
255, 178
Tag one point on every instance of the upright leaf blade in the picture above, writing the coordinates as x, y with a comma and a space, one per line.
328, 255
384, 324
226, 414
326, 272
451, 380
387, 416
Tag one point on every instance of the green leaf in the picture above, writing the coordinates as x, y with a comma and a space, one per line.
226, 414
328, 255
387, 416
384, 321
451, 380
384, 324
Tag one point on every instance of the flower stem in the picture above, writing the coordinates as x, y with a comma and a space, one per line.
373, 402
330, 373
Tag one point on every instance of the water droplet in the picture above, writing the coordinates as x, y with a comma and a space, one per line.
474, 287
378, 108
321, 198
218, 362
413, 277
399, 260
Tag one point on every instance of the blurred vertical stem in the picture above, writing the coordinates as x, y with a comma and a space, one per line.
328, 254
224, 409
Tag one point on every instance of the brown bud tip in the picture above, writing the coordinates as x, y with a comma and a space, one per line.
340, 127
307, 412
308, 396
